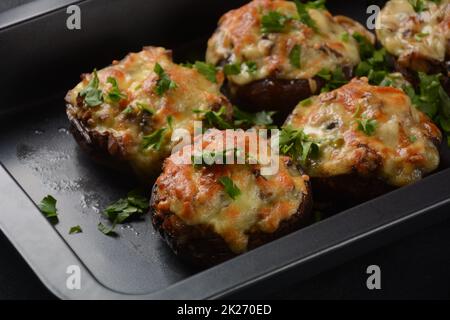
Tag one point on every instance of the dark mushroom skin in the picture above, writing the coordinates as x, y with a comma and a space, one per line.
372, 140
124, 115
418, 37
278, 68
204, 226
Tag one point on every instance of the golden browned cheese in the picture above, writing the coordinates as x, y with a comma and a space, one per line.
239, 39
196, 196
129, 122
425, 33
400, 150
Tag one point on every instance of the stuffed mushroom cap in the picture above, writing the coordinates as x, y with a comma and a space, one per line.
266, 43
124, 114
210, 213
367, 134
417, 33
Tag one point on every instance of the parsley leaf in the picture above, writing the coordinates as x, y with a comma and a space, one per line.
243, 118
108, 231
368, 126
303, 14
134, 205
92, 95
298, 145
115, 95
294, 56
274, 22
232, 69
48, 208
418, 5
217, 119
164, 83
76, 229
154, 140
236, 68
335, 79
145, 107
230, 188
208, 70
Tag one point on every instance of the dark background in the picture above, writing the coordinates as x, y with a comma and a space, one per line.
416, 267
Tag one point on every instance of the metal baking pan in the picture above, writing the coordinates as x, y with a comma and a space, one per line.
41, 60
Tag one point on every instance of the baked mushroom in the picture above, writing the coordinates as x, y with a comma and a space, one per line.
417, 34
210, 213
276, 53
370, 140
124, 114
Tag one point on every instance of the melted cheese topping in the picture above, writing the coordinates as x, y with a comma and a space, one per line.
137, 80
239, 39
400, 151
197, 197
403, 31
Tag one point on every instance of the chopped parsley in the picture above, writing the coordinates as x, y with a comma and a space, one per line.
247, 119
374, 64
303, 14
217, 119
164, 82
154, 140
48, 208
208, 70
236, 68
230, 188
368, 126
76, 229
306, 102
115, 95
92, 95
108, 231
345, 37
123, 210
298, 145
274, 22
146, 108
294, 56
334, 79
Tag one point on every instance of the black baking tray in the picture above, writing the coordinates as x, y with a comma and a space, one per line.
41, 59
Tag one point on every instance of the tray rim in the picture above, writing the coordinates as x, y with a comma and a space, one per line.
183, 289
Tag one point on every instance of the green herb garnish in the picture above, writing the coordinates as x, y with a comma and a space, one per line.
91, 94
206, 69
294, 56
217, 119
123, 210
274, 22
146, 108
164, 83
76, 229
230, 188
248, 119
298, 145
108, 231
48, 208
368, 126
115, 95
334, 79
236, 68
154, 140
303, 14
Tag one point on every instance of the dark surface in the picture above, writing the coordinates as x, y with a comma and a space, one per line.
412, 268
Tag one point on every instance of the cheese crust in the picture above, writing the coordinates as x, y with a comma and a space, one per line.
196, 197
121, 127
239, 39
401, 149
408, 34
